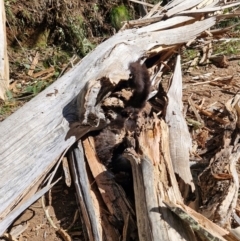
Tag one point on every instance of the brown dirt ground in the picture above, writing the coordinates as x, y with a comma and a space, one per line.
213, 92
62, 210
213, 97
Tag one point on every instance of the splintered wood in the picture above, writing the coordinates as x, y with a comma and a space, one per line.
130, 166
4, 65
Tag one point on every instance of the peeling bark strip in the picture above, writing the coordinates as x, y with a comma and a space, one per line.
33, 138
4, 65
179, 138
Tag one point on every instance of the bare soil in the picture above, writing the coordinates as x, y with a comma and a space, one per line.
214, 92
62, 208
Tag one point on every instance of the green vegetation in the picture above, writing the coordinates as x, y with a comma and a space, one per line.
42, 38
36, 88
118, 15
228, 22
190, 54
228, 48
8, 106
57, 31
9, 14
78, 36
6, 109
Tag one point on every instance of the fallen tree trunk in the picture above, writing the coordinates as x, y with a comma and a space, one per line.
34, 137
4, 66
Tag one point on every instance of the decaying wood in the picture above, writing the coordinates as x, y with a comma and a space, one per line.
153, 185
88, 211
201, 225
4, 66
143, 3
112, 195
178, 129
36, 135
33, 64
220, 61
212, 115
184, 5
219, 185
219, 182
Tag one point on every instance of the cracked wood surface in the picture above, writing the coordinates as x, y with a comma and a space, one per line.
4, 65
34, 135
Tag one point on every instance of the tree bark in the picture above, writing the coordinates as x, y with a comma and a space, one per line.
4, 65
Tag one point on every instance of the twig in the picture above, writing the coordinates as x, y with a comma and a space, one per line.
15, 36
235, 57
55, 170
33, 65
64, 234
66, 171
223, 30
4, 224
43, 72
9, 237
225, 78
204, 57
47, 214
143, 3
191, 103
76, 215
202, 103
50, 197
212, 116
71, 61
60, 231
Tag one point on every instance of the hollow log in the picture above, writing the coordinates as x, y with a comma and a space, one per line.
43, 130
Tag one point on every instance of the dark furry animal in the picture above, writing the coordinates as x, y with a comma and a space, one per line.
120, 163
140, 83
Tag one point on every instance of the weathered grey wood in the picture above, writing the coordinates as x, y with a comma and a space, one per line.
179, 137
144, 231
169, 23
208, 9
173, 3
34, 136
79, 172
152, 186
4, 65
205, 228
4, 224
151, 198
187, 4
